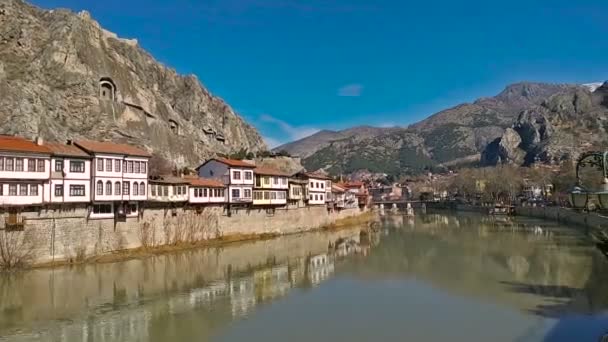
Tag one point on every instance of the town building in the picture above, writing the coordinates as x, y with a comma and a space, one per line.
297, 192
70, 175
358, 189
168, 189
119, 178
24, 173
206, 191
316, 187
236, 175
270, 187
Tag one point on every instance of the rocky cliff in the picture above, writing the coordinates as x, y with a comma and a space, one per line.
459, 135
63, 76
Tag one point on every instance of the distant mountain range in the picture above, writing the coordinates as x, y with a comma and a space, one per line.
525, 123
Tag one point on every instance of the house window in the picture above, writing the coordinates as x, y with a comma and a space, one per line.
12, 189
102, 209
109, 165
117, 188
130, 166
58, 165
136, 167
275, 180
19, 164
22, 189
166, 191
177, 190
34, 190
1, 164
247, 193
116, 165
266, 180
135, 189
31, 165
1, 189
221, 192
124, 166
153, 190
100, 164
125, 188
99, 188
205, 192
131, 209
266, 195
10, 163
109, 187
144, 167
283, 181
58, 190
282, 195
321, 197
41, 166
236, 193
248, 175
77, 191
236, 175
77, 166
142, 189
196, 193
273, 195
322, 185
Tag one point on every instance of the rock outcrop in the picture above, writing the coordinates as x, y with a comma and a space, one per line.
63, 76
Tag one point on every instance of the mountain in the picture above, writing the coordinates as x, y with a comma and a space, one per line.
470, 133
307, 146
63, 76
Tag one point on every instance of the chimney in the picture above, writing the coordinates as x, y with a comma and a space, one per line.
39, 141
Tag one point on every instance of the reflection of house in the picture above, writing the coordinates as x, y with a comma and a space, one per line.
208, 294
237, 175
242, 296
320, 268
271, 282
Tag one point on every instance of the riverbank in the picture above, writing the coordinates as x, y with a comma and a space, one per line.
52, 240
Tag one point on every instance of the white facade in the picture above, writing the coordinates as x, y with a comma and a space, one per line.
317, 191
163, 192
70, 180
240, 189
203, 194
270, 188
22, 178
119, 178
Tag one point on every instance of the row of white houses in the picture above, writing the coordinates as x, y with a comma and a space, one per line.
114, 180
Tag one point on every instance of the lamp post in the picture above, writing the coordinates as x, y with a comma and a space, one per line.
579, 196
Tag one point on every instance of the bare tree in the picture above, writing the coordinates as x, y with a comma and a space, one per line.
16, 249
159, 166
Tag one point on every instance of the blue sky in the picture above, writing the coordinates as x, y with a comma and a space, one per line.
294, 67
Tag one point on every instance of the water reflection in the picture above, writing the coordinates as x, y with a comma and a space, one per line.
533, 267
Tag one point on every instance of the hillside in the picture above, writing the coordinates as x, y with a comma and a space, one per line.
473, 132
63, 76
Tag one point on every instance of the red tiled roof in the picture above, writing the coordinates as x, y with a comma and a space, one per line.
168, 179
266, 171
18, 144
353, 184
206, 182
315, 175
66, 150
338, 189
235, 162
111, 148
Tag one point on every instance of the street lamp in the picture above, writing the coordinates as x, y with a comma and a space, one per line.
579, 196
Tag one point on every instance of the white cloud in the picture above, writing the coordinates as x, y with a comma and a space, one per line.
351, 90
293, 132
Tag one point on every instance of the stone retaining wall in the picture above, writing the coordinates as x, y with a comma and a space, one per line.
58, 235
594, 223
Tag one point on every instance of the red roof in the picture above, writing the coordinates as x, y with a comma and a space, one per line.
18, 144
234, 162
353, 184
337, 189
206, 182
266, 171
315, 175
66, 150
111, 148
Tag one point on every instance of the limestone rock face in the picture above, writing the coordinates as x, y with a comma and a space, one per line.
63, 76
504, 150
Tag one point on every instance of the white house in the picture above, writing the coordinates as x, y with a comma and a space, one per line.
270, 187
168, 189
24, 171
70, 175
237, 175
119, 178
316, 187
206, 191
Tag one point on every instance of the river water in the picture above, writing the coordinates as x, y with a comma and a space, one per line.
438, 277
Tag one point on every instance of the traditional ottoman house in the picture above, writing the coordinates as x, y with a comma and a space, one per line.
70, 183
167, 191
270, 188
339, 196
297, 192
24, 174
119, 178
236, 175
316, 187
206, 191
359, 190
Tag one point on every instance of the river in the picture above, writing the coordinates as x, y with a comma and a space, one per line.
438, 277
